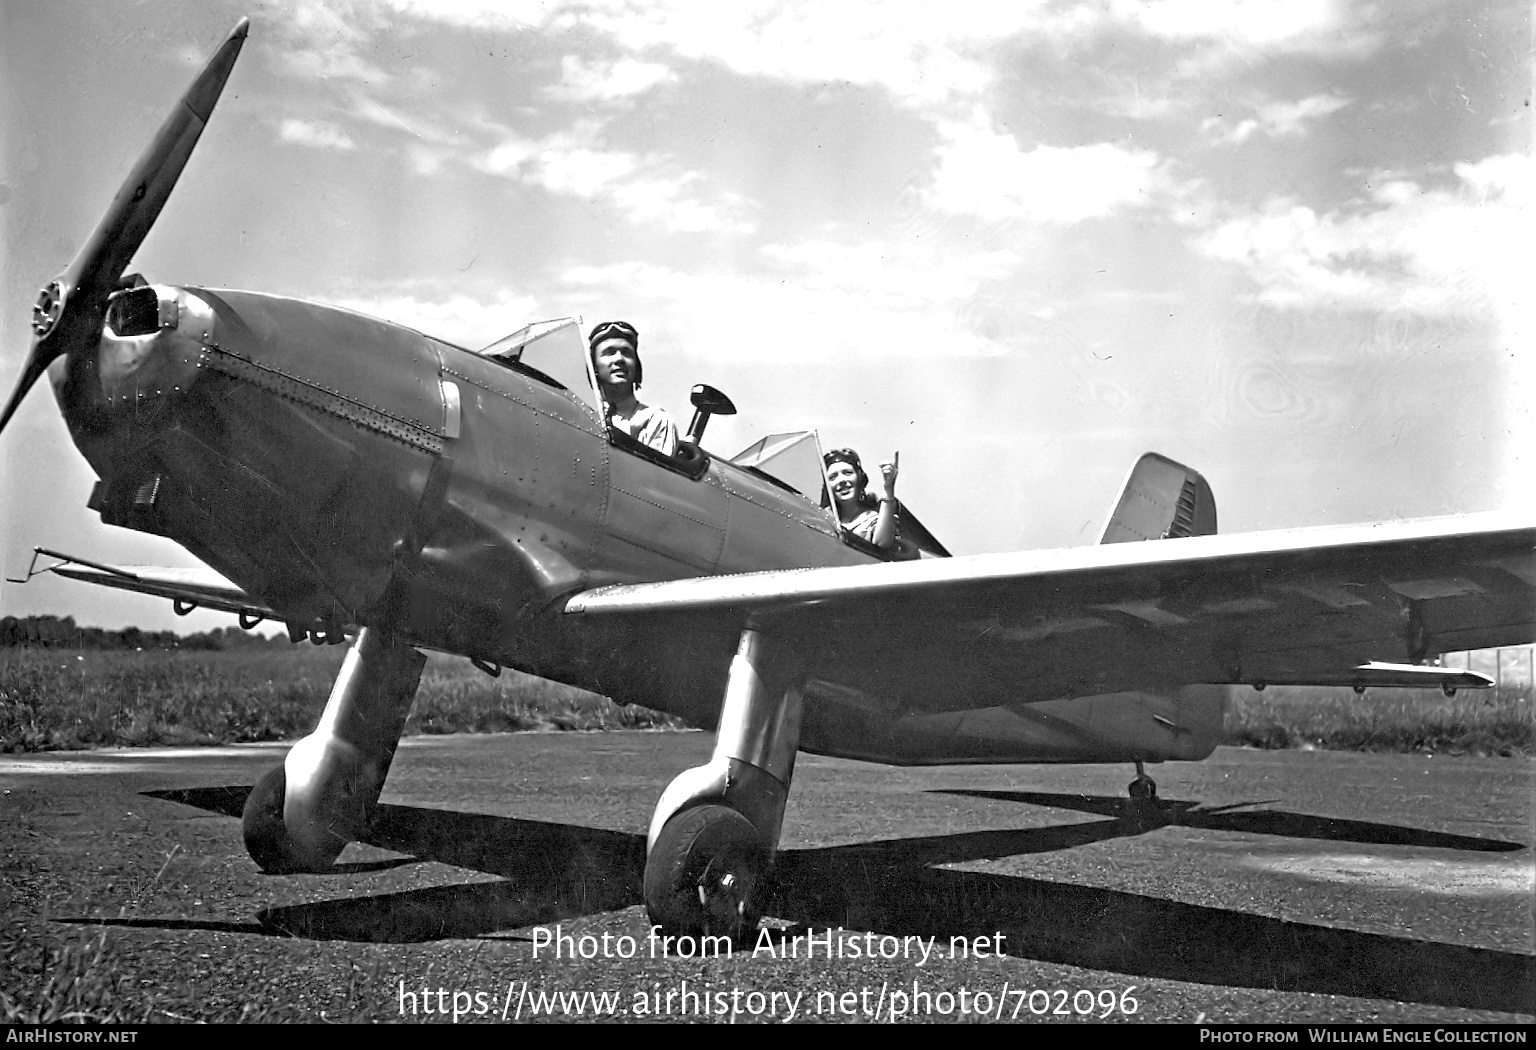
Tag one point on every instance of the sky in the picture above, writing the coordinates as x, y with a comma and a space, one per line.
1287, 242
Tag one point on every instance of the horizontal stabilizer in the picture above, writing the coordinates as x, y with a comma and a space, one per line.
187, 588
1403, 676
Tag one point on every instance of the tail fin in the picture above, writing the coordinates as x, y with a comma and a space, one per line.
1161, 500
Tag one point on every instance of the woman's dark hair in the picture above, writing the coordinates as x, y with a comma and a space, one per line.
849, 456
617, 330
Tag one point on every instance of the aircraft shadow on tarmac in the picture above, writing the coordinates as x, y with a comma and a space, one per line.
1250, 821
549, 872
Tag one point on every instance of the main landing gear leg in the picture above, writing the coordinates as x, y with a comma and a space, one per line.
300, 814
716, 827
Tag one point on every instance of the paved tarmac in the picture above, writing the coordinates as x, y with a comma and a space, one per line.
1284, 886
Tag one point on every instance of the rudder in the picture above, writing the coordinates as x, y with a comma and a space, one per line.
1161, 500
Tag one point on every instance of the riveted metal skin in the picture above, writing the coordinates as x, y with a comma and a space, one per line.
300, 391
542, 504
141, 370
517, 525
290, 444
316, 458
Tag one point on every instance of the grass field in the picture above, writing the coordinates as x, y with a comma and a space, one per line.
52, 699
1474, 721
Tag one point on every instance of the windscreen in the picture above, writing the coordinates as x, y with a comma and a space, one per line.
554, 349
793, 458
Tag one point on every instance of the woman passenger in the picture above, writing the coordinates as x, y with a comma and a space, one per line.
860, 512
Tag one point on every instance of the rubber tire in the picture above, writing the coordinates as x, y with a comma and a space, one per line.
688, 844
266, 836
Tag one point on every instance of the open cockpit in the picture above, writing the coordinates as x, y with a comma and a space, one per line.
555, 353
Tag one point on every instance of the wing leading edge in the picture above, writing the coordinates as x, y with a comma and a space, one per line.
1324, 606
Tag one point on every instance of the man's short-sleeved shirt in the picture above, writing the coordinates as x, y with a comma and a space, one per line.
652, 427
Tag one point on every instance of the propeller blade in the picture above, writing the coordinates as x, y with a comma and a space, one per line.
70, 311
138, 202
30, 372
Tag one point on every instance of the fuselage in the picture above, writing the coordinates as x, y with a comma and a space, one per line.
345, 470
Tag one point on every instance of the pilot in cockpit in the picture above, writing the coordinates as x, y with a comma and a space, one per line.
615, 348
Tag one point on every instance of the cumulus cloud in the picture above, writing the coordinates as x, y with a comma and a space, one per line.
579, 171
939, 60
1276, 120
922, 53
854, 301
582, 81
1261, 23
680, 204
332, 40
646, 188
325, 41
1218, 37
984, 172
1223, 32
789, 319
889, 270
380, 115
317, 133
429, 159
473, 13
1461, 250
454, 315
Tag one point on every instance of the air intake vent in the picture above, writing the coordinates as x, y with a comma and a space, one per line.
135, 311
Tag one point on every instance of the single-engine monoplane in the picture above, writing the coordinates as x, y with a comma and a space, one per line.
365, 483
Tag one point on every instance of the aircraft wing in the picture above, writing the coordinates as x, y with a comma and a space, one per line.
1352, 605
187, 588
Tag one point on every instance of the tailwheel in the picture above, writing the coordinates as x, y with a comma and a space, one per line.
1143, 788
706, 875
1143, 809
266, 835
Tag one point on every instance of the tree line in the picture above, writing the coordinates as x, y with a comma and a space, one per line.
54, 632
